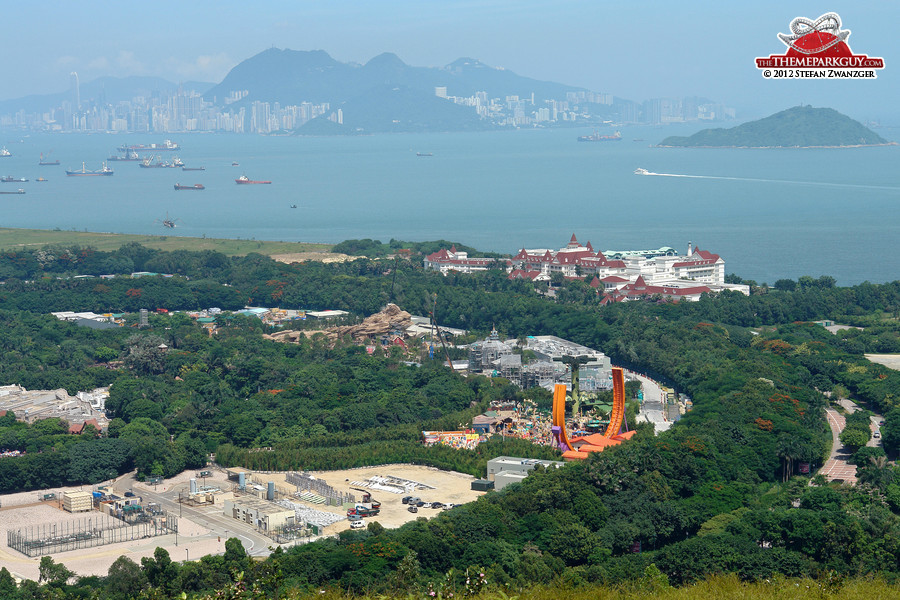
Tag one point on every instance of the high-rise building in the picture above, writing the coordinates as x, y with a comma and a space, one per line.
76, 90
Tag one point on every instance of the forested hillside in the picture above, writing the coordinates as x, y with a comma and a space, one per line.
714, 494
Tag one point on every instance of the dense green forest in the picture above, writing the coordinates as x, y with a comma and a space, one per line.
715, 494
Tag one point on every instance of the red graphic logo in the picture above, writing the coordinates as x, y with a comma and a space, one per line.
818, 49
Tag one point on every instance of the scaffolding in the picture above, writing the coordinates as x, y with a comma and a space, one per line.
88, 532
317, 491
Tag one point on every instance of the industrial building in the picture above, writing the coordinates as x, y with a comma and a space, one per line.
259, 513
505, 470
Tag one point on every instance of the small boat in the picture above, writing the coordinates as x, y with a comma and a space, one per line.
235, 163
167, 222
193, 168
4, 152
177, 162
41, 179
11, 179
196, 186
293, 206
243, 179
640, 171
18, 191
424, 154
105, 170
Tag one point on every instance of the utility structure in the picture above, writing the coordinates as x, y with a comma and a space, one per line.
574, 363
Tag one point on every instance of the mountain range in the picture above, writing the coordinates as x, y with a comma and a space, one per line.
384, 94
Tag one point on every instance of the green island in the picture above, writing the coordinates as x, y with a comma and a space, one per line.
715, 507
797, 127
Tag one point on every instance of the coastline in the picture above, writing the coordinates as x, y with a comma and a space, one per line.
16, 238
782, 147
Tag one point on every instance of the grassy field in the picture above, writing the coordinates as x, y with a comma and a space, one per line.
30, 238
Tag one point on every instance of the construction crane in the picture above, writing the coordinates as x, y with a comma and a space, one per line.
437, 330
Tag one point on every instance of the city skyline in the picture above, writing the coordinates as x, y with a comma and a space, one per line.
637, 52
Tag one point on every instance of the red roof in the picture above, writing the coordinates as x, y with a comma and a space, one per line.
520, 274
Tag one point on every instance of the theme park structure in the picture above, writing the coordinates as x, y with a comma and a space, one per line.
579, 448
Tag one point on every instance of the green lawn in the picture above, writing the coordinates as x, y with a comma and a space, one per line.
25, 238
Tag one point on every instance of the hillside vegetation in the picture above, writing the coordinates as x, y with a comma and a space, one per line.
797, 127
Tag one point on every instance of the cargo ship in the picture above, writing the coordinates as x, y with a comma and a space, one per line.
47, 163
130, 155
596, 137
11, 179
193, 168
147, 163
104, 171
18, 191
166, 146
245, 179
196, 186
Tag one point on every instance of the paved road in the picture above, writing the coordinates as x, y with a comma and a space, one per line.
836, 467
210, 517
653, 409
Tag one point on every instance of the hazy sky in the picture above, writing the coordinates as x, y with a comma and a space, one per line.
632, 49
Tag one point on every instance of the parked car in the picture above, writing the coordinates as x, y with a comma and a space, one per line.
420, 504
412, 508
437, 505
876, 435
357, 524
405, 499
129, 494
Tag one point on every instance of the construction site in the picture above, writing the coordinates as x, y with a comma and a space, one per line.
107, 519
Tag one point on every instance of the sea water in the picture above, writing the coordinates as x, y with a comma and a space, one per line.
770, 213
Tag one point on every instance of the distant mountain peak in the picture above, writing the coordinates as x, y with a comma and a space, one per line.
466, 62
386, 59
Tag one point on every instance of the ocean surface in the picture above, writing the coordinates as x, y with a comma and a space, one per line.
770, 214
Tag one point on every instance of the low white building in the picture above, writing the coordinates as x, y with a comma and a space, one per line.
452, 260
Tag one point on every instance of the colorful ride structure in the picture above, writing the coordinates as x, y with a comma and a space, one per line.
579, 448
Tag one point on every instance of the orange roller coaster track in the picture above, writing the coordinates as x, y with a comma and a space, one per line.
615, 417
